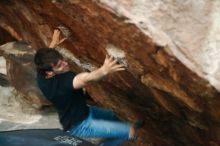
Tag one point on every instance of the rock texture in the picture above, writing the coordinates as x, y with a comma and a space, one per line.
179, 107
5, 36
190, 28
3, 80
21, 72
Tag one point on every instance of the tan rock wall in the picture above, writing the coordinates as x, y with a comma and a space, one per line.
190, 28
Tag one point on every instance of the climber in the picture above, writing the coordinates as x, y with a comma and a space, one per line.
63, 88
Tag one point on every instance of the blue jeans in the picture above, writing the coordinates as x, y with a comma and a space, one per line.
102, 123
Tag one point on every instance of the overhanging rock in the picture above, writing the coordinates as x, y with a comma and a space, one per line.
179, 107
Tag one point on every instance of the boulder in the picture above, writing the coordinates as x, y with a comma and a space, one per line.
21, 72
169, 81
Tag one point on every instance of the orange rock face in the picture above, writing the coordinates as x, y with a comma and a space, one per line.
179, 108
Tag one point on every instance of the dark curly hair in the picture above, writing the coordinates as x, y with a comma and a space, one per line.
45, 57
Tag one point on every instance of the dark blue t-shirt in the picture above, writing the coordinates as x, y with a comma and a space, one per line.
70, 103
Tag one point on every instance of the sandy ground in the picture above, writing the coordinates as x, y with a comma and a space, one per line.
16, 114
2, 65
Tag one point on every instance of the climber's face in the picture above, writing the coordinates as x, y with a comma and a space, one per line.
61, 66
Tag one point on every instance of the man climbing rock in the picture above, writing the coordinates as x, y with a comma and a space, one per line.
63, 88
